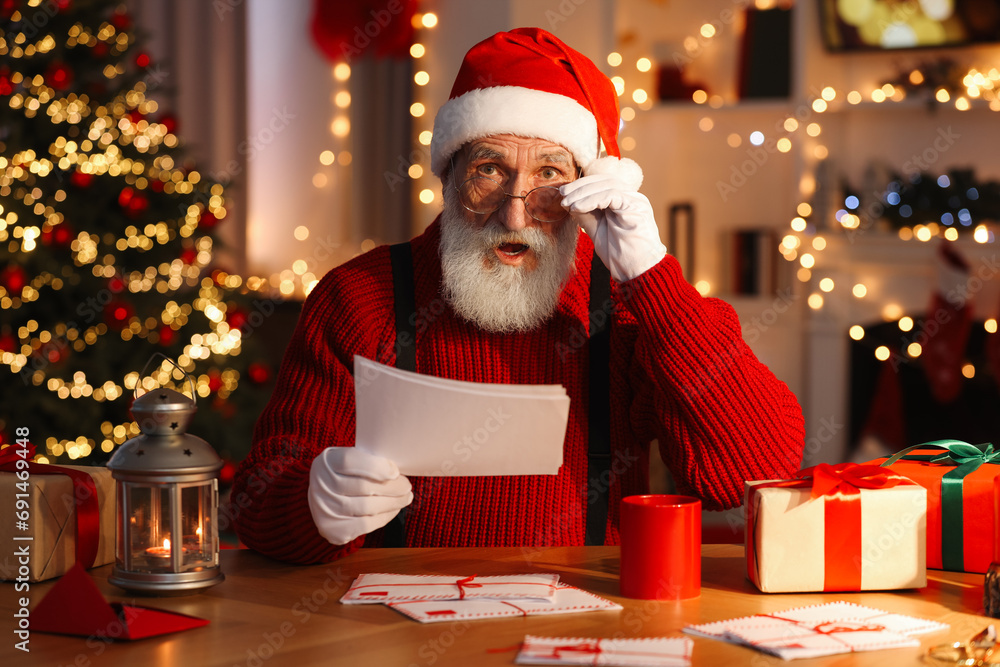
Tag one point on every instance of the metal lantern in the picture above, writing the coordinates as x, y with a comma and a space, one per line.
168, 500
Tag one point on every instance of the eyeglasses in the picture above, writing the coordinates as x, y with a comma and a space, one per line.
484, 195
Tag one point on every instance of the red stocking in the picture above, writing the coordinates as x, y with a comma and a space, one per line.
946, 327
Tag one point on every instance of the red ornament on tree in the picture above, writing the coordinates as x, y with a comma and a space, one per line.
13, 278
189, 255
121, 21
167, 335
236, 318
81, 179
142, 60
208, 220
60, 235
214, 381
169, 122
58, 75
117, 314
100, 49
259, 373
7, 343
227, 473
6, 85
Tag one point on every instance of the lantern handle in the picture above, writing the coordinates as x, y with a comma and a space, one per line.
172, 363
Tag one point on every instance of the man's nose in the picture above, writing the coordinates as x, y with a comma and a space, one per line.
514, 213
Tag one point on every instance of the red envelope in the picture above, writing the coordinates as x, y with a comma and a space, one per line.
75, 606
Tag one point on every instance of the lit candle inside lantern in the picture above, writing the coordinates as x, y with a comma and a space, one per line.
160, 552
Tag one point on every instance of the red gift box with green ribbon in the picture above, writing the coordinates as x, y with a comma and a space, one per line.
961, 501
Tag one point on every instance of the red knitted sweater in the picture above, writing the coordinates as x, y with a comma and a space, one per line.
680, 375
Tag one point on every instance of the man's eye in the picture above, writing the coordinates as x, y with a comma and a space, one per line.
488, 170
550, 173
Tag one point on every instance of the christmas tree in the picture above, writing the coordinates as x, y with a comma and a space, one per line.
107, 240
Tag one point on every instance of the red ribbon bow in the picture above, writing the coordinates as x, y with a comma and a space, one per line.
841, 486
466, 583
88, 512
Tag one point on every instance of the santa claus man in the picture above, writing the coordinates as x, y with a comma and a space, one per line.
509, 285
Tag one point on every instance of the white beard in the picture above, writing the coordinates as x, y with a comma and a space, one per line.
496, 296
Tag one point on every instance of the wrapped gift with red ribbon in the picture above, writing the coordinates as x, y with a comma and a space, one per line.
961, 501
844, 527
62, 515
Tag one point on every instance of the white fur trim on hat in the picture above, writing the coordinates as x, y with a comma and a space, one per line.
624, 169
524, 112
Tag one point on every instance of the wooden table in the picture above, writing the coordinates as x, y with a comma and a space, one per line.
270, 613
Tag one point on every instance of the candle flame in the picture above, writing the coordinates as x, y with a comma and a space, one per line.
198, 531
166, 544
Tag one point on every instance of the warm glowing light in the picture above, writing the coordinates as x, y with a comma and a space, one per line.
968, 370
916, 77
340, 127
417, 109
425, 138
707, 30
813, 129
426, 196
807, 260
421, 78
962, 104
942, 95
878, 95
790, 241
859, 290
821, 152
429, 20
644, 64
856, 332
990, 325
815, 301
819, 105
706, 124
327, 158
914, 349
619, 84
826, 285
951, 234
791, 124
639, 96
882, 353
804, 209
784, 145
704, 287
892, 311
854, 97
981, 234
301, 233
905, 323
798, 224
804, 275
342, 72
628, 114
699, 96
734, 140
828, 94
819, 243
417, 50
614, 59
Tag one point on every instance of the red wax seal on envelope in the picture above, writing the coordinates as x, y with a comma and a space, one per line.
75, 606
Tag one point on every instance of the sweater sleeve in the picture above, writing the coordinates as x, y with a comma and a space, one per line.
719, 414
311, 408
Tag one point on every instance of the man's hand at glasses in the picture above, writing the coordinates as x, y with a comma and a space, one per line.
618, 219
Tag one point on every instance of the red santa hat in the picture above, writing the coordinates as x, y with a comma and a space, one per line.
526, 82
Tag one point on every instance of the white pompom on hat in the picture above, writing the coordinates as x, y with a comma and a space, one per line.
526, 82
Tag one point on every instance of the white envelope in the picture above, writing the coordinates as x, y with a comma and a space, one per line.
380, 588
568, 600
436, 427
818, 630
651, 652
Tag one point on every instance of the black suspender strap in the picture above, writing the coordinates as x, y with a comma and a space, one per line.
599, 410
405, 306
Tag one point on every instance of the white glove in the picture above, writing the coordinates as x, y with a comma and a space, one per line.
352, 493
618, 219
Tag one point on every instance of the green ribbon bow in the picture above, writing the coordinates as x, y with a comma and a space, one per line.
967, 458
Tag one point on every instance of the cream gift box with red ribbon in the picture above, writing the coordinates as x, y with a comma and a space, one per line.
847, 527
62, 514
